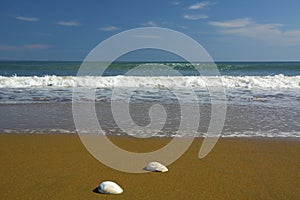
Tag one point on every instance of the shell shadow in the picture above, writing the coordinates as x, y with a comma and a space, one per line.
95, 190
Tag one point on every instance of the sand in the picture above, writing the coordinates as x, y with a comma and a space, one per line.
59, 167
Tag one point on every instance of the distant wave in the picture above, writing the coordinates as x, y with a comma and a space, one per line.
249, 82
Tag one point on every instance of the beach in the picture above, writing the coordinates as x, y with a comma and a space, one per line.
42, 157
205, 95
57, 166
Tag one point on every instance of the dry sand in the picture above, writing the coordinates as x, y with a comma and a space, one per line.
59, 167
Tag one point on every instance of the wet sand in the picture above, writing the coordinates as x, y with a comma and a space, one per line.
59, 167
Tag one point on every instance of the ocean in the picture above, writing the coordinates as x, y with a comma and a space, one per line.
263, 98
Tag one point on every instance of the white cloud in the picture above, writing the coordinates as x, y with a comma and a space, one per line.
35, 46
271, 33
175, 3
256, 30
232, 23
150, 23
23, 47
28, 19
200, 5
109, 28
183, 27
8, 48
293, 33
68, 23
195, 17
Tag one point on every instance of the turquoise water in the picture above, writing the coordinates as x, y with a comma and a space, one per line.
42, 68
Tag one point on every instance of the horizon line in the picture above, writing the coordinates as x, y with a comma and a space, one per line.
218, 61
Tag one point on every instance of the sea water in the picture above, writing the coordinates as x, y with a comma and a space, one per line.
263, 98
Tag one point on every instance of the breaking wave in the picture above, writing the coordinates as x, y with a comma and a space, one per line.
250, 82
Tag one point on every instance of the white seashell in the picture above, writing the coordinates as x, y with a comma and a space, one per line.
109, 187
156, 167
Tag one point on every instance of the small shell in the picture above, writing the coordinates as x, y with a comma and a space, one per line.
109, 187
156, 167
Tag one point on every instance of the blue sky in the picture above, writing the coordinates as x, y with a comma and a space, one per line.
235, 30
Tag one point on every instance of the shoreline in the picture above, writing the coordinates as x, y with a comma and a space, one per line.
251, 120
53, 166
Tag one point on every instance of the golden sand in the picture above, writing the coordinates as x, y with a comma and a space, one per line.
59, 167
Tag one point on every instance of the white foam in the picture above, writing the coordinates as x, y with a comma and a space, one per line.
248, 82
240, 134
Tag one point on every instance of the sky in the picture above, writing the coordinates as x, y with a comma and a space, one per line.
229, 30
